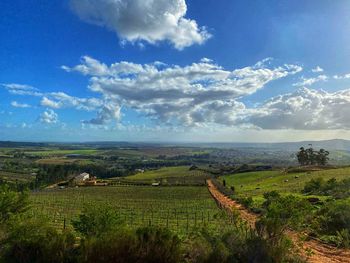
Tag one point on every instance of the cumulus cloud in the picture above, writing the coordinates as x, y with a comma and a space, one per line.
50, 103
48, 117
187, 95
318, 69
304, 109
108, 112
310, 81
19, 105
143, 20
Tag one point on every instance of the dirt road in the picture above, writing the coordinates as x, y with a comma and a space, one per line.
321, 253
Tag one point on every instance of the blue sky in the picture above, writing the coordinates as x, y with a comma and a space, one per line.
194, 70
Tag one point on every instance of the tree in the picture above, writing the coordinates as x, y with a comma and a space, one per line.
11, 203
322, 157
302, 156
311, 157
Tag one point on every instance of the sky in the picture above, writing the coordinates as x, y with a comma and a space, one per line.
174, 71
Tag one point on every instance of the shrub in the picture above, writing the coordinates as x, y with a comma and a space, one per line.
96, 220
314, 186
343, 238
247, 202
204, 247
158, 245
124, 245
334, 216
11, 203
282, 212
248, 245
118, 246
35, 241
331, 187
269, 198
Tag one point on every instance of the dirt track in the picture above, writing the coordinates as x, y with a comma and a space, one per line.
321, 253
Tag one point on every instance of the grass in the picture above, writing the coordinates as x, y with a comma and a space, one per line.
63, 160
178, 208
15, 177
179, 175
257, 183
166, 172
57, 152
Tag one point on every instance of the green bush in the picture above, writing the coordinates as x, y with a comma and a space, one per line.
35, 241
333, 217
248, 245
11, 203
331, 187
247, 202
117, 247
124, 245
97, 220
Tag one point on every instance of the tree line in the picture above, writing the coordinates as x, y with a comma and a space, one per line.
310, 156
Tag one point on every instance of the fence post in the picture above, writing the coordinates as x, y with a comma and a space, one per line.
187, 223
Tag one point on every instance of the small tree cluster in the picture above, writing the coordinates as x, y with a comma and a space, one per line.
311, 157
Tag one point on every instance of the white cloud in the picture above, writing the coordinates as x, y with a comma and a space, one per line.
20, 89
345, 76
305, 109
190, 95
48, 117
318, 69
108, 112
310, 81
19, 105
143, 20
57, 100
50, 103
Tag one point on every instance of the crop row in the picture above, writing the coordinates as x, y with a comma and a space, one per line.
179, 208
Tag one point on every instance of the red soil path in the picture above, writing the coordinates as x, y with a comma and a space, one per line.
320, 253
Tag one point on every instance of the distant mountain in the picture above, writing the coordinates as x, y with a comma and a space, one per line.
336, 144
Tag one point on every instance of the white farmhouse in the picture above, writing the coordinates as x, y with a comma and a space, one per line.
82, 177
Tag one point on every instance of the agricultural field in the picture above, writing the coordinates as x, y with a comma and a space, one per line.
59, 152
178, 208
12, 177
170, 176
257, 183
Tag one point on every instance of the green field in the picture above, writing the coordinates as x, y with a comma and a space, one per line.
179, 175
58, 152
15, 177
257, 183
166, 172
178, 208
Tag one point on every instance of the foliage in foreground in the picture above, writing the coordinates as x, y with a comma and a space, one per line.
331, 187
101, 236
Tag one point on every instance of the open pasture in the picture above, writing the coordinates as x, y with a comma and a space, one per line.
178, 208
179, 175
59, 152
257, 183
166, 172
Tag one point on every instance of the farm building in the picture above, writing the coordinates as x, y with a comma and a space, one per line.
82, 177
85, 179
